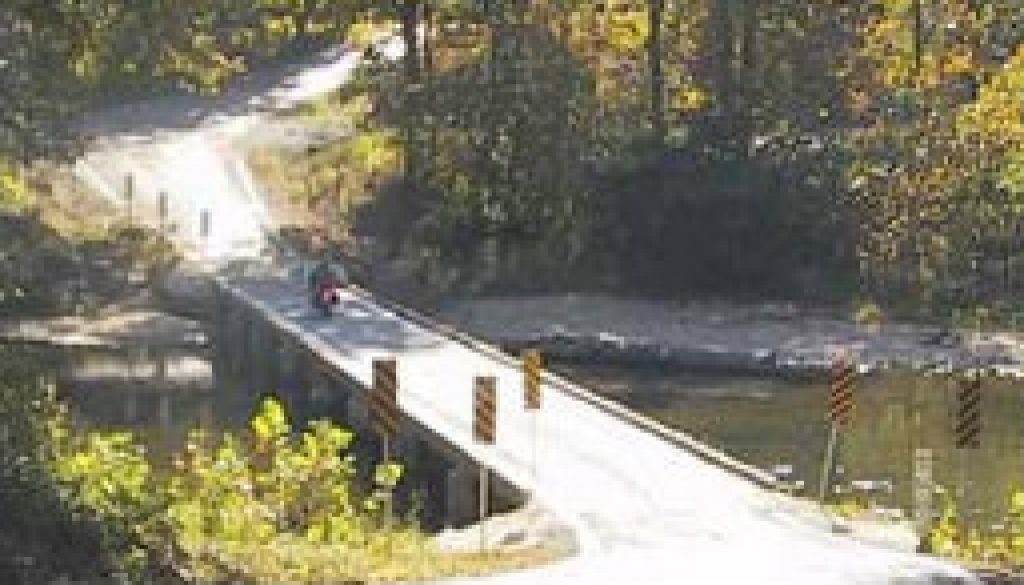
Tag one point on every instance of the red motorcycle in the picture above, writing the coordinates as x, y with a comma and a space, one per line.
327, 295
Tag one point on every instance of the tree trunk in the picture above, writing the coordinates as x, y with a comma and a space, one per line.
654, 55
409, 17
748, 84
429, 99
723, 41
491, 15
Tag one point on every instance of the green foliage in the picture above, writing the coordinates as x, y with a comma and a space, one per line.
868, 313
54, 67
660, 143
108, 476
51, 262
951, 538
228, 496
265, 505
13, 191
39, 520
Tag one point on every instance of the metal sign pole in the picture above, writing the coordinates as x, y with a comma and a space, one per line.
826, 467
485, 482
532, 399
129, 192
162, 205
840, 408
384, 412
966, 519
533, 447
967, 435
204, 224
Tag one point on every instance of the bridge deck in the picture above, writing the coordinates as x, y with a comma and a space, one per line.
648, 506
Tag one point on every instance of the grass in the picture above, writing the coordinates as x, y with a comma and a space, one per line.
398, 557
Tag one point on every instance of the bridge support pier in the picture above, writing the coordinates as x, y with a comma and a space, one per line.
206, 413
164, 411
131, 407
358, 409
461, 493
408, 450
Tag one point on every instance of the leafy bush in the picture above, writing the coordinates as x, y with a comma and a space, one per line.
868, 314
951, 538
232, 506
39, 529
265, 504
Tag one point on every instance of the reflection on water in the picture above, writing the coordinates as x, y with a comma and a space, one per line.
772, 421
159, 394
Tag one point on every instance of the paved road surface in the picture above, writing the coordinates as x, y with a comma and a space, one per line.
186, 147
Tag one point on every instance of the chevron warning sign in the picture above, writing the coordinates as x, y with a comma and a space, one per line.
533, 365
841, 379
967, 427
384, 414
485, 407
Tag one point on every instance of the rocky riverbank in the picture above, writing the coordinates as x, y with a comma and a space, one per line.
761, 339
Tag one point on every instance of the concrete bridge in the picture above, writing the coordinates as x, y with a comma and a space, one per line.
645, 503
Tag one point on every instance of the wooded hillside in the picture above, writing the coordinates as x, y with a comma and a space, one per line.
791, 148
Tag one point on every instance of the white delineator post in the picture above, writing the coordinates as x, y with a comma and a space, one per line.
923, 491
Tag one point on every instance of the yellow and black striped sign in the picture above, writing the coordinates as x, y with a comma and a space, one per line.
485, 408
384, 414
841, 378
533, 364
967, 428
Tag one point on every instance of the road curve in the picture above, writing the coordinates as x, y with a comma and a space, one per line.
644, 510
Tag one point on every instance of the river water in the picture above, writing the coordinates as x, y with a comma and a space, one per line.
766, 421
771, 421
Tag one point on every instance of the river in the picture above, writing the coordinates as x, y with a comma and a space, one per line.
766, 421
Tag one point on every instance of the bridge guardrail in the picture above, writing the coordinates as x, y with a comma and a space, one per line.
673, 436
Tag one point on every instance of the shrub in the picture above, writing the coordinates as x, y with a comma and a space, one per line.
39, 525
227, 497
868, 314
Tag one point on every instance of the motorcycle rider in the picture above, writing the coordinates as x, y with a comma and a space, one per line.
325, 277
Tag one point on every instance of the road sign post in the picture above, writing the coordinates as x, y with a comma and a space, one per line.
204, 224
967, 435
533, 365
384, 414
129, 193
162, 209
485, 410
842, 375
967, 428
